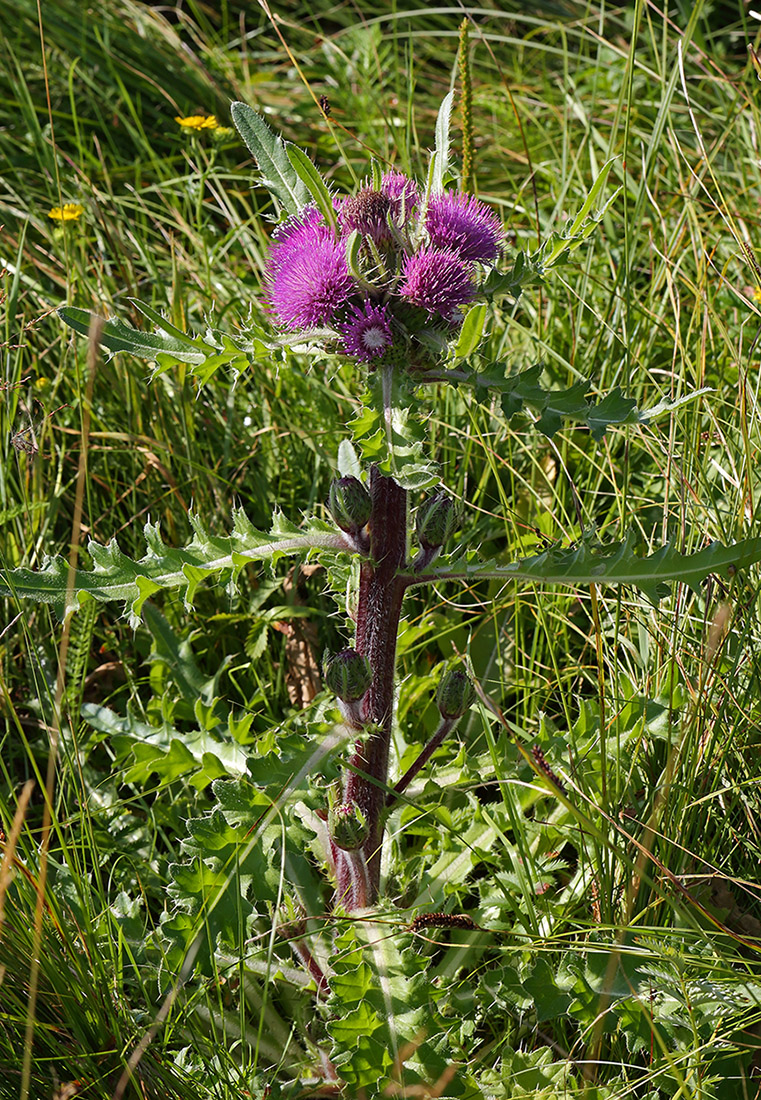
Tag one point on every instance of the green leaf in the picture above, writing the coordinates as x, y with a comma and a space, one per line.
204, 356
269, 151
170, 330
116, 335
313, 181
348, 461
115, 577
440, 163
524, 389
394, 440
386, 1035
471, 332
592, 563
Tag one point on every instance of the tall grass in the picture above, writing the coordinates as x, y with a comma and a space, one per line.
653, 714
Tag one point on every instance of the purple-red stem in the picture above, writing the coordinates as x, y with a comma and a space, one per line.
447, 725
381, 588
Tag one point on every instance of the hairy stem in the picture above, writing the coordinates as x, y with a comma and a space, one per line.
353, 889
381, 590
447, 725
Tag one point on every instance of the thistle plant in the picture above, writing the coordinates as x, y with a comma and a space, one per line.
381, 277
396, 279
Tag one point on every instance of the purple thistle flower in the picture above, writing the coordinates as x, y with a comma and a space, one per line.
367, 212
366, 332
462, 224
401, 190
437, 281
301, 228
309, 277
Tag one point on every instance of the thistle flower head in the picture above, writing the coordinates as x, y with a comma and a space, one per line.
298, 231
367, 212
438, 281
309, 277
366, 332
460, 223
402, 191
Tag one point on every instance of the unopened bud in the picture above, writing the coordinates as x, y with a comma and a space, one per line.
348, 675
347, 826
455, 694
349, 503
436, 521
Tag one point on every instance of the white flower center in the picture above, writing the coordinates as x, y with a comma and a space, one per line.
374, 338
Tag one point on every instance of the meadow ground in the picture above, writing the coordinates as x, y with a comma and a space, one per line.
621, 957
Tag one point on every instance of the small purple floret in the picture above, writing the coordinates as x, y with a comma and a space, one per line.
462, 224
366, 332
309, 276
437, 281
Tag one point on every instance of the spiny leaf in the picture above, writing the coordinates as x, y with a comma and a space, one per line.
203, 354
590, 563
390, 435
116, 335
269, 151
115, 577
386, 1035
524, 389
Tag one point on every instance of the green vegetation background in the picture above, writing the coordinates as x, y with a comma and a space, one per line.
661, 303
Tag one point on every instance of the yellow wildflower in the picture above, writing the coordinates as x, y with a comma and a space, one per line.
69, 212
197, 122
757, 294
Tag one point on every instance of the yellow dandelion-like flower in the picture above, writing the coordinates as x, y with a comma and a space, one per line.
197, 122
69, 212
757, 294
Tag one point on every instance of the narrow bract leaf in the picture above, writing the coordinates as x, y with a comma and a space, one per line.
471, 332
591, 198
313, 181
441, 154
268, 149
560, 245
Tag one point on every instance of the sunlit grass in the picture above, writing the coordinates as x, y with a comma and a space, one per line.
660, 303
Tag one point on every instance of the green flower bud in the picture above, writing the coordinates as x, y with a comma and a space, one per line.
435, 521
349, 503
348, 675
455, 694
347, 826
